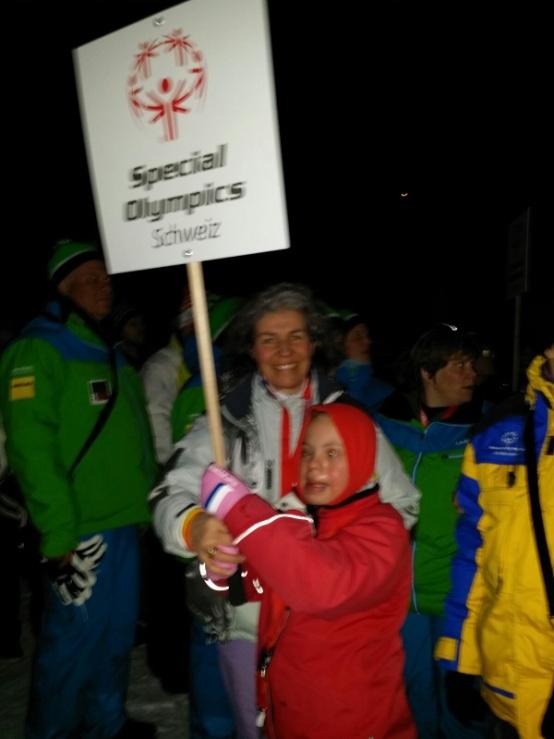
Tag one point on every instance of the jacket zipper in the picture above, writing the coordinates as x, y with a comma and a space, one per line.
414, 594
269, 474
263, 668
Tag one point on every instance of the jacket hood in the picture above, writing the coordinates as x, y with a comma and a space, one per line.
538, 382
358, 435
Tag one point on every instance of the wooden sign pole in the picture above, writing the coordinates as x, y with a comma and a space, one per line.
205, 353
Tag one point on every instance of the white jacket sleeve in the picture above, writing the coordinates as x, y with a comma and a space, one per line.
395, 487
160, 388
179, 490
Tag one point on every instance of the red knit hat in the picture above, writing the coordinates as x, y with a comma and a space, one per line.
357, 432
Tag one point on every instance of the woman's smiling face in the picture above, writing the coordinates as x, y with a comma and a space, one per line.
283, 350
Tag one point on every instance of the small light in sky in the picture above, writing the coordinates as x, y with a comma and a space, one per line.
404, 194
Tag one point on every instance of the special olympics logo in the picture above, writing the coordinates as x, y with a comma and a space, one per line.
168, 77
510, 438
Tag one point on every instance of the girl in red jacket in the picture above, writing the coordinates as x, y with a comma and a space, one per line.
334, 587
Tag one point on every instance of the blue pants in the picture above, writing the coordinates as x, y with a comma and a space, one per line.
425, 683
81, 668
211, 714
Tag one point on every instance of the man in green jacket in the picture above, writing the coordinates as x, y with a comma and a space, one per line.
79, 443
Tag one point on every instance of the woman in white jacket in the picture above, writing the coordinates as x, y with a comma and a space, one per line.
264, 417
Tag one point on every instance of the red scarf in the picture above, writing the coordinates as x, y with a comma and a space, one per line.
290, 460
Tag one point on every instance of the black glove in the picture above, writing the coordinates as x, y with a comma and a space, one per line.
463, 697
547, 728
12, 505
74, 579
14, 511
210, 607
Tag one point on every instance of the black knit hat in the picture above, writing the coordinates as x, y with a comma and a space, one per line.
354, 319
122, 313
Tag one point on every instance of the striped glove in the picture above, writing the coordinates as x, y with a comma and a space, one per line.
74, 579
220, 491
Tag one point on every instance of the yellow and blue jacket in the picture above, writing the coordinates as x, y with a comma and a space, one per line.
497, 621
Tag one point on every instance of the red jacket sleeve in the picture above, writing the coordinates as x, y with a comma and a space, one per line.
359, 567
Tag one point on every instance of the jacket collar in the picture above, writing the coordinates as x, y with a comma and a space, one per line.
237, 404
538, 382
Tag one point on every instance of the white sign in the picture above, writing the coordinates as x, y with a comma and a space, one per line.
181, 130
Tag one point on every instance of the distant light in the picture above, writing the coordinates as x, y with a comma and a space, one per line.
404, 194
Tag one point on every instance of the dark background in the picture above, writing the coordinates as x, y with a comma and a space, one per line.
453, 110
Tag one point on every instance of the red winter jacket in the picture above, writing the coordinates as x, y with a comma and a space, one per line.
332, 608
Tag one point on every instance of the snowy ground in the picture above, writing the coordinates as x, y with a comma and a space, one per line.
147, 701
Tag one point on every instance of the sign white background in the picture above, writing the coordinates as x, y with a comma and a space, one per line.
237, 110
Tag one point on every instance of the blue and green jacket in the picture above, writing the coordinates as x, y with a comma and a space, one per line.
54, 381
432, 457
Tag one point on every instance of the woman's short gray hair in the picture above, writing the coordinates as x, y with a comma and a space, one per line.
283, 296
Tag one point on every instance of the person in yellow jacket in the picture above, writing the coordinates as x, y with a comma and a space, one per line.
499, 621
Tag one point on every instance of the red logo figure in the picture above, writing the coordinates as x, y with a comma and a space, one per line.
142, 59
176, 41
165, 73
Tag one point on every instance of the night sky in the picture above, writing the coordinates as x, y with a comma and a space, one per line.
369, 107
